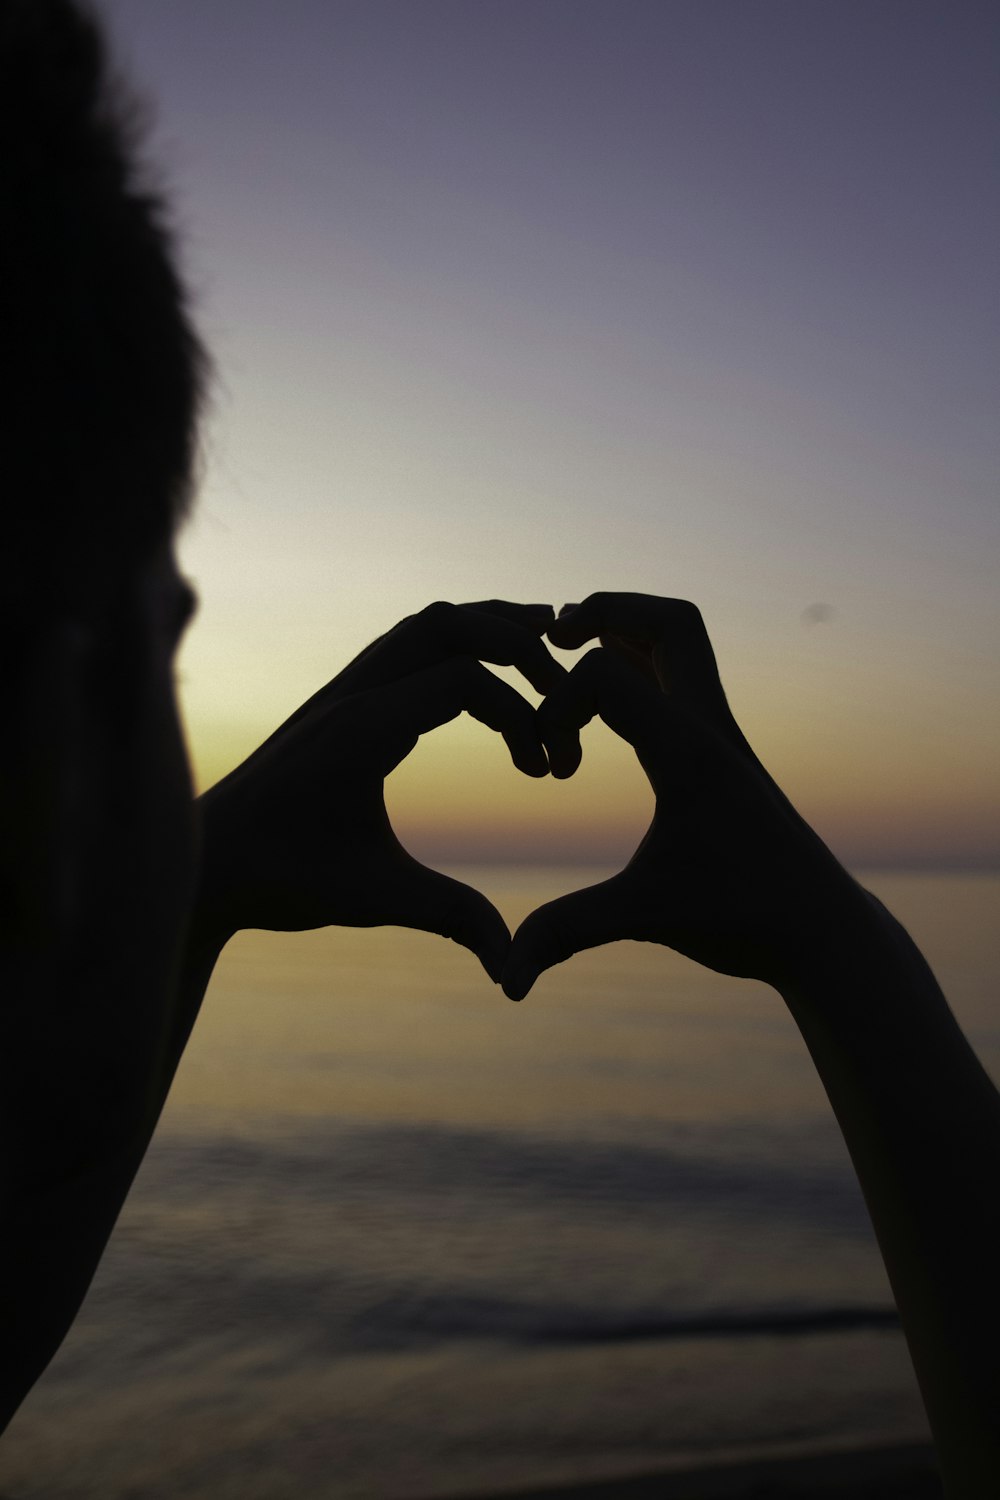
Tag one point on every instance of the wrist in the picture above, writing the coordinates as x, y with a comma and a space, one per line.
840, 932
860, 965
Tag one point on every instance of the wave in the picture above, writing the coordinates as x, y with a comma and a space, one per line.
799, 1323
772, 1176
414, 1317
336, 1239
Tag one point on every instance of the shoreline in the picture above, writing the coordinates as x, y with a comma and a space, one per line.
901, 1472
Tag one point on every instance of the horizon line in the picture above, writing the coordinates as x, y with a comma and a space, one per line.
902, 864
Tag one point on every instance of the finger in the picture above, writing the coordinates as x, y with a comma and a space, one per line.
505, 634
584, 919
399, 713
537, 617
495, 631
640, 617
432, 902
601, 685
671, 630
636, 652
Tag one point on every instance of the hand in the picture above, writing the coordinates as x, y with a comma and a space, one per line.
298, 836
728, 873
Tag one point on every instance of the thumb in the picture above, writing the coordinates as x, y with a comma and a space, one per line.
432, 902
584, 919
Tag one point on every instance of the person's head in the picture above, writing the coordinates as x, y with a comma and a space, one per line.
98, 416
106, 370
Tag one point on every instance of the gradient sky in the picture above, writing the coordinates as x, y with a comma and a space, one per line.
527, 298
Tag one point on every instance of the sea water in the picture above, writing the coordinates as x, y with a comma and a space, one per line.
397, 1237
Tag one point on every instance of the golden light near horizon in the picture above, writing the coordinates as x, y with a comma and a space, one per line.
884, 779
459, 798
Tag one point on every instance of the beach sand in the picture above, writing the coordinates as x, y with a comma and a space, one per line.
898, 1473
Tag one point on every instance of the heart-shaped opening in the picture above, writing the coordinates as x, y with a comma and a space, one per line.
457, 803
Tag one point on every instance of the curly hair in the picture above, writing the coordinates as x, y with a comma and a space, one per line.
104, 369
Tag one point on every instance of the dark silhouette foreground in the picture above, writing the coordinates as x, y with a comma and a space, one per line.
120, 891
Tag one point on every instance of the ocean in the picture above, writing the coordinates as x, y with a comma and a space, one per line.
397, 1237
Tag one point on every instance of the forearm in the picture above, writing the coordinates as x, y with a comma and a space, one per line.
921, 1120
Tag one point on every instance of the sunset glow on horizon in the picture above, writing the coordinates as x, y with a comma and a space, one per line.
525, 300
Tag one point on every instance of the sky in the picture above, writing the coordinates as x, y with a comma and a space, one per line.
528, 298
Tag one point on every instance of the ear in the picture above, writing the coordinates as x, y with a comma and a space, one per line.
44, 751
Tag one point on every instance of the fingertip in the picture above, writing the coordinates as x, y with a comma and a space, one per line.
569, 631
518, 981
541, 611
564, 760
532, 762
535, 617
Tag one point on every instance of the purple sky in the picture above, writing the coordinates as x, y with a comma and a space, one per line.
694, 297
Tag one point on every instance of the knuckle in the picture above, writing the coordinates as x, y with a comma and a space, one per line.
688, 616
438, 618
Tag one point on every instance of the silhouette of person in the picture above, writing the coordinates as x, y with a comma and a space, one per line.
120, 891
